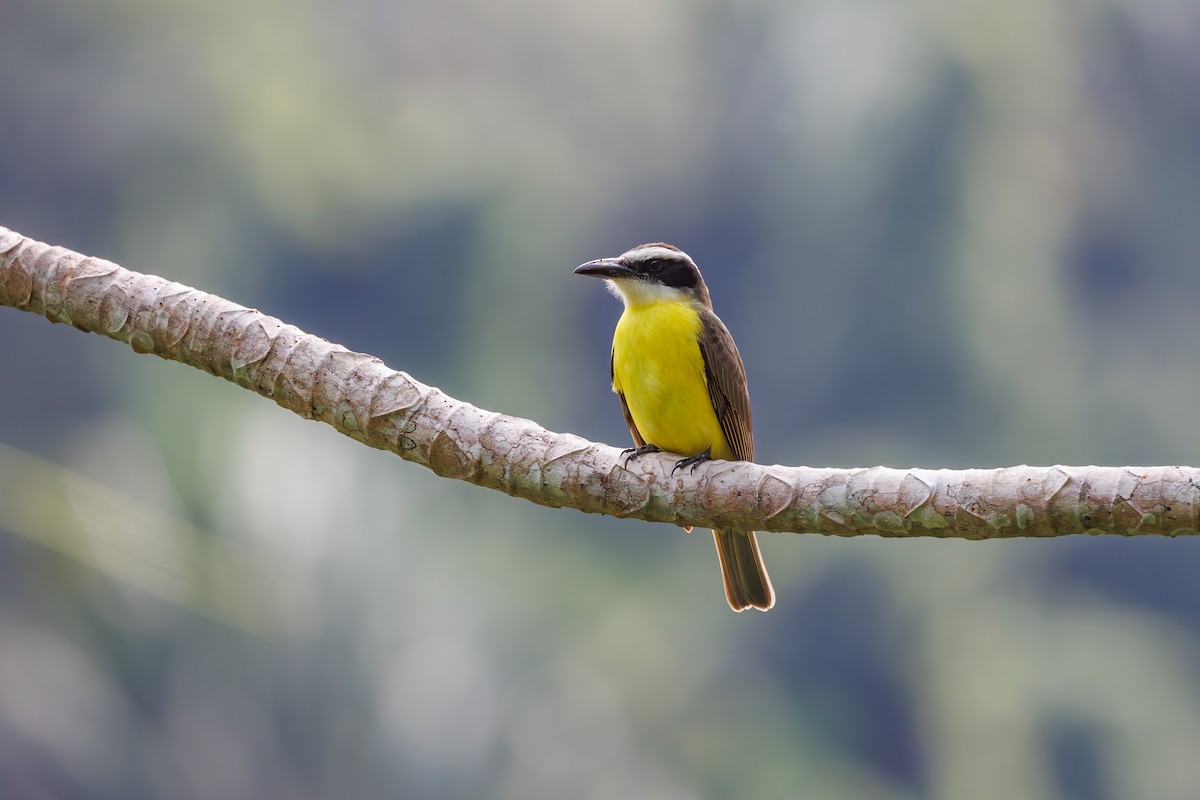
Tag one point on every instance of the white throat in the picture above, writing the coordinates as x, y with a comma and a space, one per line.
636, 292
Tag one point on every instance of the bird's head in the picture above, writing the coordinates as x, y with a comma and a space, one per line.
650, 273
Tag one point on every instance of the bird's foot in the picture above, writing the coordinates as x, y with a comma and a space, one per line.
693, 461
637, 452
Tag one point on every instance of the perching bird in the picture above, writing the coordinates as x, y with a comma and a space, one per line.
682, 386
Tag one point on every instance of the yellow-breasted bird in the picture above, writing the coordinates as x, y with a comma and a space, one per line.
682, 386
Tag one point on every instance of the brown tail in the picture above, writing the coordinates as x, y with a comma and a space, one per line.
746, 581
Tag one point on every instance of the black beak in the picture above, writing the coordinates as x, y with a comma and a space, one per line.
605, 268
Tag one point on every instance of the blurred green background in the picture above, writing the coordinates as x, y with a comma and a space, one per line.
944, 234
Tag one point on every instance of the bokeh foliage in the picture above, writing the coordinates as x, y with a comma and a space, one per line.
944, 234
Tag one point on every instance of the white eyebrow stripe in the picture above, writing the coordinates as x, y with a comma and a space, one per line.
647, 253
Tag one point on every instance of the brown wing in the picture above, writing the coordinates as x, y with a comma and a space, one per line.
637, 437
726, 385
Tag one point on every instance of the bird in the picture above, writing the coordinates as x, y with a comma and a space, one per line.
682, 386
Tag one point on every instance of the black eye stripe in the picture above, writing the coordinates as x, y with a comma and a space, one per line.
676, 272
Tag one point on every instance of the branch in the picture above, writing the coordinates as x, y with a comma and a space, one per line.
361, 397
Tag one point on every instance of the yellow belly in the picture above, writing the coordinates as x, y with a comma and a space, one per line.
657, 365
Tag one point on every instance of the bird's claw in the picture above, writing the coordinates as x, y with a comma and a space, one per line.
693, 461
632, 453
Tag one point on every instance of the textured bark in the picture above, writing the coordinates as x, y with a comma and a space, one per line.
361, 397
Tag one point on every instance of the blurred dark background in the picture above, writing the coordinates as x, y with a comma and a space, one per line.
944, 235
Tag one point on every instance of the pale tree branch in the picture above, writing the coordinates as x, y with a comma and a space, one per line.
361, 397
